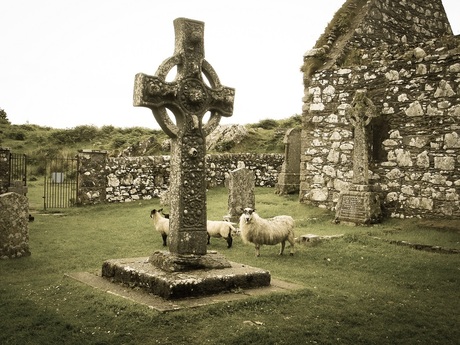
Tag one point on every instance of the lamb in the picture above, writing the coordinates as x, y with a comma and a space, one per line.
220, 228
259, 231
161, 224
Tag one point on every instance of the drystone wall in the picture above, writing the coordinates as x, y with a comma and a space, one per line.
415, 140
124, 179
4, 169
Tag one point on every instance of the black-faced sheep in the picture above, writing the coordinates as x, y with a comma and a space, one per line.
161, 224
259, 231
220, 228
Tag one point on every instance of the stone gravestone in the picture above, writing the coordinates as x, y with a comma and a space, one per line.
14, 226
359, 205
289, 177
189, 98
241, 183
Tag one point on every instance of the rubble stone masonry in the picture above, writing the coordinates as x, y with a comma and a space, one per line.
415, 141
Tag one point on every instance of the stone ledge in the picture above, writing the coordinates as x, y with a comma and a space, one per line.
139, 272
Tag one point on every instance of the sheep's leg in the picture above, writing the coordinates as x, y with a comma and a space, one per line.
229, 241
291, 242
164, 239
257, 249
209, 237
283, 244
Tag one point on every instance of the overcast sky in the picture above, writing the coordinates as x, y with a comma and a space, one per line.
65, 63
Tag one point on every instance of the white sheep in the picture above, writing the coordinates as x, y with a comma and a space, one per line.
259, 231
161, 224
220, 228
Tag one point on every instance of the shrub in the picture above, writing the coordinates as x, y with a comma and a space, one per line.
266, 124
17, 135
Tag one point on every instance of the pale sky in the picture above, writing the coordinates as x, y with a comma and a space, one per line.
65, 63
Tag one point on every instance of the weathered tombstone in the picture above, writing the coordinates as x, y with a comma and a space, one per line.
188, 97
359, 205
289, 177
241, 183
14, 226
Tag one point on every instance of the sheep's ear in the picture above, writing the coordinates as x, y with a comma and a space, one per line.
160, 210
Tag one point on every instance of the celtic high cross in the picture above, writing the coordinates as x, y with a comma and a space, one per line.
360, 114
189, 97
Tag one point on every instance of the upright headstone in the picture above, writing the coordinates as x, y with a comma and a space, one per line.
241, 183
289, 177
14, 226
188, 97
359, 205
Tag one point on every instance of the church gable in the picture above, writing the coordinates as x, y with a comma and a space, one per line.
414, 141
362, 24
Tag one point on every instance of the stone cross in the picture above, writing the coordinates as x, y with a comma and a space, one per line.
360, 114
189, 97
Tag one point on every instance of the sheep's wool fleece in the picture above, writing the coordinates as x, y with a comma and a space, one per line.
267, 231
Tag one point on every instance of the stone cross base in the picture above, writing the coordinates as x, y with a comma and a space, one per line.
171, 262
359, 208
139, 272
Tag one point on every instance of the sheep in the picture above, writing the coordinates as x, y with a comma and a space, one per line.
220, 228
259, 231
161, 224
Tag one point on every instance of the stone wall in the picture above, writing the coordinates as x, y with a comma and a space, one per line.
14, 226
404, 21
4, 169
124, 179
415, 140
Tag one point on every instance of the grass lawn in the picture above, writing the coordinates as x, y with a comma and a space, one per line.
358, 290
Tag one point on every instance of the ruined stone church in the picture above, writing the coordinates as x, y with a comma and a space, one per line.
404, 55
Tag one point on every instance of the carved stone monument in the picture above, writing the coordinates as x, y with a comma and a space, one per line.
189, 97
241, 185
359, 205
289, 177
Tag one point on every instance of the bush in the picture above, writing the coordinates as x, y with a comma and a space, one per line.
118, 141
266, 124
17, 135
291, 122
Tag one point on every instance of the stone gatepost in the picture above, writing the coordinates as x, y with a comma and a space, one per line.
4, 169
289, 177
189, 97
92, 181
241, 185
359, 205
14, 226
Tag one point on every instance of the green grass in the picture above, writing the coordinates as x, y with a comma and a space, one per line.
358, 290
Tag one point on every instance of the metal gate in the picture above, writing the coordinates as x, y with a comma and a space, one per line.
18, 168
61, 183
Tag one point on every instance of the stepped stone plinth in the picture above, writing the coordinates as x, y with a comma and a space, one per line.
176, 284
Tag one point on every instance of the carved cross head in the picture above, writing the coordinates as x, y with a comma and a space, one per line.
362, 109
189, 96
